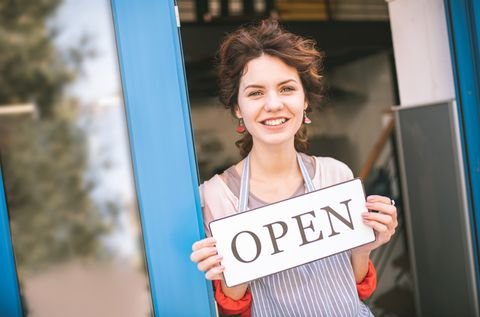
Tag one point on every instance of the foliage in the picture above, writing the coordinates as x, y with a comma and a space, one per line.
52, 216
44, 156
31, 68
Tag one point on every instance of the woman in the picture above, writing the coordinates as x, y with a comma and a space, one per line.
269, 80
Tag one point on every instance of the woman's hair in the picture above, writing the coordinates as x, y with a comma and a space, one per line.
267, 37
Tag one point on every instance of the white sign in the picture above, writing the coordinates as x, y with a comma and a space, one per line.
292, 232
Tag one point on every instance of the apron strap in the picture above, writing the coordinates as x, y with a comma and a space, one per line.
309, 187
244, 188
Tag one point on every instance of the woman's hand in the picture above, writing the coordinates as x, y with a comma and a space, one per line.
383, 219
204, 253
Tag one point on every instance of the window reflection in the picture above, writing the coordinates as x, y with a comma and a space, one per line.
68, 179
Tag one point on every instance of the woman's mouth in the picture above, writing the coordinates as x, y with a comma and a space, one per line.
274, 122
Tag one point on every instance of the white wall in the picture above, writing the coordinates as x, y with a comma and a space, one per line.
422, 53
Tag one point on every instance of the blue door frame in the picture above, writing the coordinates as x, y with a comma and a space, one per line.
165, 170
10, 305
463, 20
164, 165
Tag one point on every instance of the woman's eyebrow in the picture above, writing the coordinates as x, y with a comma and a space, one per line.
252, 86
261, 86
287, 81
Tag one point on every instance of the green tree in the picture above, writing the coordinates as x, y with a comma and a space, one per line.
31, 68
52, 215
44, 156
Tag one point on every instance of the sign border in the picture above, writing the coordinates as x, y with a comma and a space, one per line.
277, 202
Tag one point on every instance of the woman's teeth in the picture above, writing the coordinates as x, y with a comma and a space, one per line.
275, 121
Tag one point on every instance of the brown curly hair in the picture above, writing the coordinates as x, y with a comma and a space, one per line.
268, 37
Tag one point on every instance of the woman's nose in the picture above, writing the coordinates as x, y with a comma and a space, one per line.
273, 102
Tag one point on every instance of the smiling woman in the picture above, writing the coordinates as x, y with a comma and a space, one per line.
269, 79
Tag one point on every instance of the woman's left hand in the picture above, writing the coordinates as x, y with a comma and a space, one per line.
382, 218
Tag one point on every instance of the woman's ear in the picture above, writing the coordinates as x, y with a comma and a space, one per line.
237, 112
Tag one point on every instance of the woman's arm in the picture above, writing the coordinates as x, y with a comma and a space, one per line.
383, 219
367, 286
235, 292
227, 305
360, 264
204, 253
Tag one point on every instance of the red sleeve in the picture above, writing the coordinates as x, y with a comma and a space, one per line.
366, 287
228, 306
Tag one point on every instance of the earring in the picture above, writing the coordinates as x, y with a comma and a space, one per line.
240, 127
306, 119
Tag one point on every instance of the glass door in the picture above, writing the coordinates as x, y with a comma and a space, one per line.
99, 202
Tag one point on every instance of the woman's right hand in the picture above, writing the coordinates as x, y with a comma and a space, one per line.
204, 253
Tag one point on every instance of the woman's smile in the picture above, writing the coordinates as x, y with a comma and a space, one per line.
275, 122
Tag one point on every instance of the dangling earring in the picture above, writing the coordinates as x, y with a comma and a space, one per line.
240, 127
306, 119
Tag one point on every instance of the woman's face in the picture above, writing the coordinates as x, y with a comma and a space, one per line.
271, 101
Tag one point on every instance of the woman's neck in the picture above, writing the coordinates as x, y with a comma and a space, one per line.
273, 163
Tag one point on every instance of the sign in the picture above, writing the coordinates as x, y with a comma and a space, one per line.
292, 232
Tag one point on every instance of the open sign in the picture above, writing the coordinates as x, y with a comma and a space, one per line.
292, 232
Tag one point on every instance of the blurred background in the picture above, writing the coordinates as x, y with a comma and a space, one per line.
66, 162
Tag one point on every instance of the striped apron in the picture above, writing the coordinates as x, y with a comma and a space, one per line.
325, 287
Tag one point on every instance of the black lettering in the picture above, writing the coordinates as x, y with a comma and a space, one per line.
330, 210
273, 237
302, 227
257, 244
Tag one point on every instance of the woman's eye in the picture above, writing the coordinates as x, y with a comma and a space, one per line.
287, 89
254, 93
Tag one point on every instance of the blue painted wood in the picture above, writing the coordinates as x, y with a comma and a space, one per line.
165, 172
10, 305
463, 20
